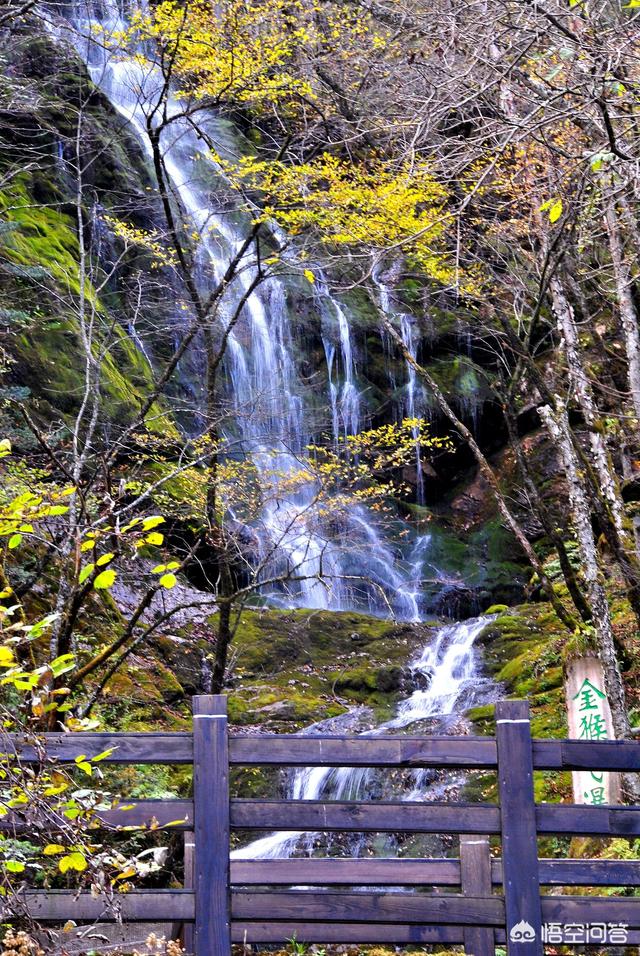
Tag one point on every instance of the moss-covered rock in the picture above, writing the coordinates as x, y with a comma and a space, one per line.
44, 257
297, 667
523, 650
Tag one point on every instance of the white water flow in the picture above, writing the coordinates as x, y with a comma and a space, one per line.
447, 679
339, 561
412, 405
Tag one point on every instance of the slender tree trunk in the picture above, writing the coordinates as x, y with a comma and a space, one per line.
223, 642
217, 539
488, 474
541, 511
625, 557
583, 391
555, 421
626, 305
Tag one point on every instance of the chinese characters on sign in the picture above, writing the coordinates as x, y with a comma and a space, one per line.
590, 719
592, 727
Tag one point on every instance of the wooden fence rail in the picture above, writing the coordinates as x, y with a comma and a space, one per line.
488, 896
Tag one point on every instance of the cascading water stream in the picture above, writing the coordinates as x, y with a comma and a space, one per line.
352, 567
413, 405
449, 672
345, 402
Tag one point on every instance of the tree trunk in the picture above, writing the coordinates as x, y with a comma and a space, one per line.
584, 394
223, 642
625, 557
626, 305
541, 511
488, 474
555, 421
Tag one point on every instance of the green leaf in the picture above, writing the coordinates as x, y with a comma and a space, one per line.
35, 630
105, 559
598, 160
62, 664
14, 866
15, 540
86, 571
57, 510
104, 581
154, 538
168, 581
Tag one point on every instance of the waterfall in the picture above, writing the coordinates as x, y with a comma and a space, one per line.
413, 405
447, 680
357, 568
345, 402
342, 561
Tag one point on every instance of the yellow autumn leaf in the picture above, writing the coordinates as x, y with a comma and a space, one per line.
104, 580
555, 211
72, 861
52, 849
152, 522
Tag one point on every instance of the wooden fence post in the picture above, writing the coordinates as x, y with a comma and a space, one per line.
475, 878
211, 826
518, 824
189, 844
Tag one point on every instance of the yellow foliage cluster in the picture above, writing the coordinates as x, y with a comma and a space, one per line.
141, 237
350, 204
356, 470
25, 500
260, 53
249, 52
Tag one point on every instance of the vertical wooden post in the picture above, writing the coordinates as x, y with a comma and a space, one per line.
188, 934
475, 879
211, 825
518, 824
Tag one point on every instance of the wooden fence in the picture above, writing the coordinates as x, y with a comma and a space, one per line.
478, 900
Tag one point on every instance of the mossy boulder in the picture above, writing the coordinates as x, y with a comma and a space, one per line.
43, 254
523, 650
298, 667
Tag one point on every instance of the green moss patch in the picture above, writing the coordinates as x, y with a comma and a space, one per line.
297, 667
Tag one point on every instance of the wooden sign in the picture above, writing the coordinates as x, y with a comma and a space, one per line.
590, 719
